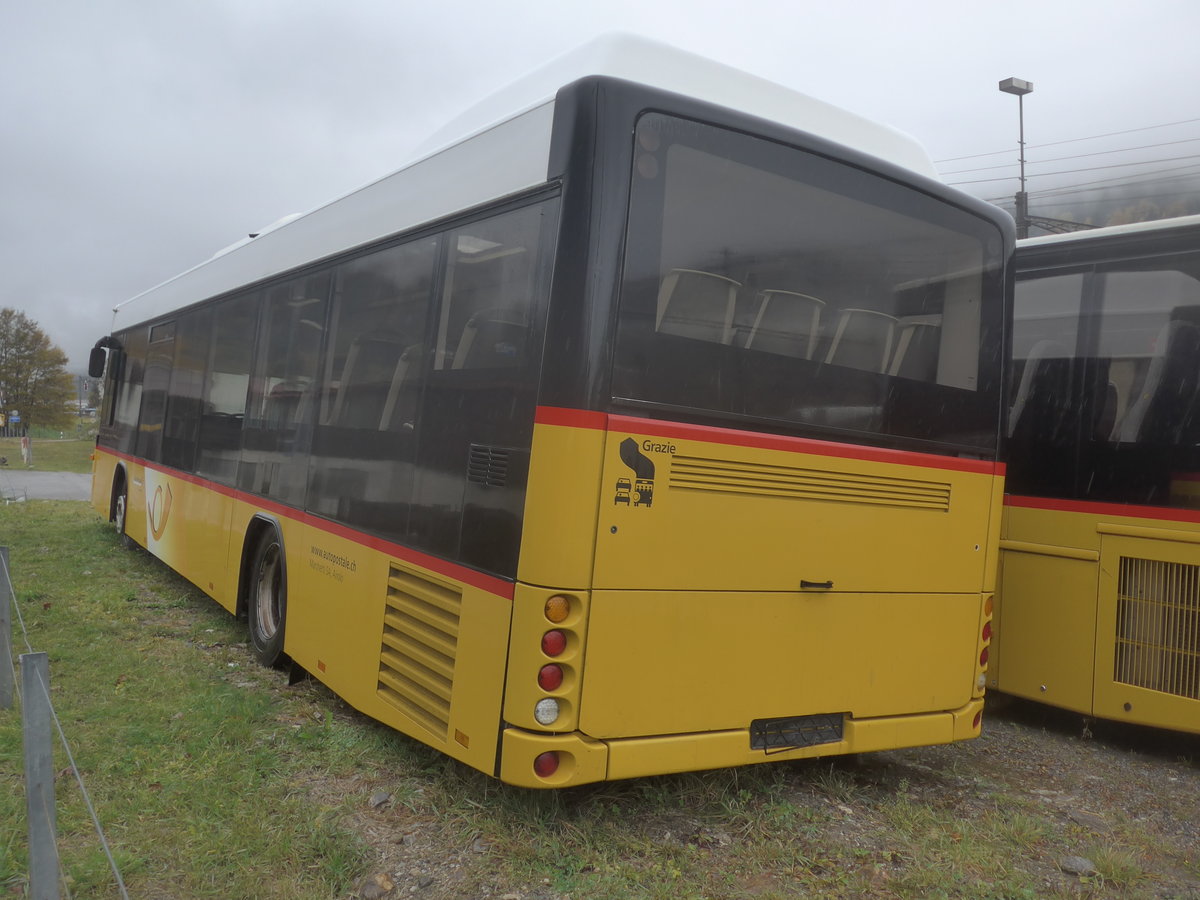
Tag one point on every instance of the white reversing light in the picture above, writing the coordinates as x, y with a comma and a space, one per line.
546, 711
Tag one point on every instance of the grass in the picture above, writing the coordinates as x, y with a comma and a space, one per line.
212, 778
70, 454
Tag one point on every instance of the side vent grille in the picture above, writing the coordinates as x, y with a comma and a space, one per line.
691, 473
1158, 626
487, 466
420, 646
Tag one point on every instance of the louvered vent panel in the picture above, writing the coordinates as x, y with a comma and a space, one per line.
420, 645
1158, 626
487, 466
691, 473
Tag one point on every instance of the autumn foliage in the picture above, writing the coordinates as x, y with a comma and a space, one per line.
33, 375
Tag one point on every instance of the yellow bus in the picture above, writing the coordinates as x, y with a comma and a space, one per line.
646, 422
1099, 604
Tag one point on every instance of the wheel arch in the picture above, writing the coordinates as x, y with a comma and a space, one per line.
260, 524
120, 482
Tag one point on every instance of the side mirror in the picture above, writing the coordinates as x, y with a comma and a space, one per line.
96, 361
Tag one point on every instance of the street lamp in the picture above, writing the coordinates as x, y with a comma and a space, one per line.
1020, 88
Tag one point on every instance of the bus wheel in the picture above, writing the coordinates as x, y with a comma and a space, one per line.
268, 600
120, 513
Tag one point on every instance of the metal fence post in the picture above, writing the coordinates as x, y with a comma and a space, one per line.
6, 645
39, 776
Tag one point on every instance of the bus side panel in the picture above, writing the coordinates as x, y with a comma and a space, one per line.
678, 513
559, 531
136, 515
666, 662
185, 527
416, 649
104, 469
1043, 645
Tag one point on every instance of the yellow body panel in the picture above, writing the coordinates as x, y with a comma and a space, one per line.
737, 518
1044, 642
678, 661
1061, 615
559, 533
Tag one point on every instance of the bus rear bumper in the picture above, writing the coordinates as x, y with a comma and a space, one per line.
583, 759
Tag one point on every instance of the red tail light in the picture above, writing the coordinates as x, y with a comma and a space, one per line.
554, 642
987, 631
550, 677
983, 657
545, 764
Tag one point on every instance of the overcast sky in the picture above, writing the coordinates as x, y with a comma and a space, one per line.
137, 137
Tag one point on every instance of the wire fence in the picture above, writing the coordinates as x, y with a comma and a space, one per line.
39, 723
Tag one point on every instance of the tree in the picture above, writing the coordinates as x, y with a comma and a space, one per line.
33, 374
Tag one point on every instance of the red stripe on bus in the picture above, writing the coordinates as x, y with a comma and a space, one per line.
1096, 508
734, 437
490, 583
572, 418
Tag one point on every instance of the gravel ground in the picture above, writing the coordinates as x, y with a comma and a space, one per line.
1129, 797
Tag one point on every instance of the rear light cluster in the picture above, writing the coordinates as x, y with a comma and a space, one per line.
554, 674
985, 643
985, 636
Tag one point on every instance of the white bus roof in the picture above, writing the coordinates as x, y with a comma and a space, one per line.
499, 147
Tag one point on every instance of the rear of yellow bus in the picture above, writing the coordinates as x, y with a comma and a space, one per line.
768, 530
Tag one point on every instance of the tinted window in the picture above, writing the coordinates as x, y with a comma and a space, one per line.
764, 281
184, 396
131, 364
476, 420
226, 383
159, 358
1106, 405
365, 440
279, 417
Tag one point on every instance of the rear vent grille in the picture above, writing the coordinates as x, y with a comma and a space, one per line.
487, 466
420, 645
1158, 626
690, 473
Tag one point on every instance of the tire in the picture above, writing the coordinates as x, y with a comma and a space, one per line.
266, 603
120, 514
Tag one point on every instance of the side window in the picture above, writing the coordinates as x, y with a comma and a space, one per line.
477, 406
488, 291
127, 402
279, 416
1149, 336
226, 382
365, 439
1045, 334
159, 358
184, 394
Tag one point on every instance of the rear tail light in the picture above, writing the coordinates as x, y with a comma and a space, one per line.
554, 642
550, 677
545, 764
983, 657
987, 631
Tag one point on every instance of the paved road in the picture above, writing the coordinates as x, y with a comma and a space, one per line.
23, 484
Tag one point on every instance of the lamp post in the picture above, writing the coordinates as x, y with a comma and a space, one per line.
1020, 88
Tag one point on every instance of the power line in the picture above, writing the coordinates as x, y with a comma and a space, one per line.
1090, 169
1185, 172
1034, 162
1070, 141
